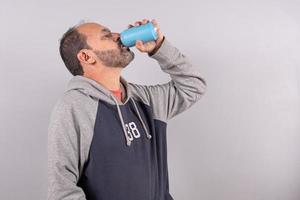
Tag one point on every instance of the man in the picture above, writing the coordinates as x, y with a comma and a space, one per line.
107, 136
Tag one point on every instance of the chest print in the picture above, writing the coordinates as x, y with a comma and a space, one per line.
132, 131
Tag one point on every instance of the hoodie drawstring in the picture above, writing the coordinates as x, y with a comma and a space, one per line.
144, 126
128, 142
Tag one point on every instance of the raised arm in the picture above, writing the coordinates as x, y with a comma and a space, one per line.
184, 89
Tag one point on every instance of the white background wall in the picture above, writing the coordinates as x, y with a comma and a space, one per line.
240, 142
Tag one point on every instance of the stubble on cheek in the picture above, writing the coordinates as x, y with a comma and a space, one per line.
115, 57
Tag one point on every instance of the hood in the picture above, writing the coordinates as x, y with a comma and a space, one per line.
99, 92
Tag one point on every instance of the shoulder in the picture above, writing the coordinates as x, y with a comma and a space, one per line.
75, 104
139, 92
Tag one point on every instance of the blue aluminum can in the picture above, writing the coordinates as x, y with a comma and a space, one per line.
145, 33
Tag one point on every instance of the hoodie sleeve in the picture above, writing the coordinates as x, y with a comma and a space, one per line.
184, 89
63, 154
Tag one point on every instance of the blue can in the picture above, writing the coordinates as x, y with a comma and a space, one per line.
146, 32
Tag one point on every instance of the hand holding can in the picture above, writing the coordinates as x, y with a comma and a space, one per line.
145, 35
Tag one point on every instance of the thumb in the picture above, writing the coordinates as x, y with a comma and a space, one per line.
139, 45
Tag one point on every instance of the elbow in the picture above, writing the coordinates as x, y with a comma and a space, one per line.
201, 88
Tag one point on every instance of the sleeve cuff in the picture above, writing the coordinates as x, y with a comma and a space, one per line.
166, 53
156, 49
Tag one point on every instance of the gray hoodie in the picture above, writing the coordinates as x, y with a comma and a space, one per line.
102, 149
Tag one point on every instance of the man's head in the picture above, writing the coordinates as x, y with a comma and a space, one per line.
93, 45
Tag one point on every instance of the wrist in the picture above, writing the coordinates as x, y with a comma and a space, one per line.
157, 47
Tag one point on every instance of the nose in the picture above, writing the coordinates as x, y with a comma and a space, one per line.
116, 37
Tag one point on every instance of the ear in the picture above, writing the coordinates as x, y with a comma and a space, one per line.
85, 56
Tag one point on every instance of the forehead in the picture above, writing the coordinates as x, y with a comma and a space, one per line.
92, 29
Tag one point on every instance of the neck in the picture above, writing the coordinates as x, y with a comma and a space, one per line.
106, 76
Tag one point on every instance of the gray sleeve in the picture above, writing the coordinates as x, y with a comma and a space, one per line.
69, 136
184, 89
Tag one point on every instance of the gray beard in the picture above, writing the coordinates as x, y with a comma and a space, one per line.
115, 57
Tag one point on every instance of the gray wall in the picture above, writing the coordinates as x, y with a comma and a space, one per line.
240, 142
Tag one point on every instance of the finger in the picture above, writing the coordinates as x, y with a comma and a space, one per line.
139, 45
145, 21
137, 23
130, 26
154, 22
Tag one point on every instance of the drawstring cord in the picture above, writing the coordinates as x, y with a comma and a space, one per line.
144, 126
128, 142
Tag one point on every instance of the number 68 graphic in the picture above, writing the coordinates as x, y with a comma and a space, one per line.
132, 131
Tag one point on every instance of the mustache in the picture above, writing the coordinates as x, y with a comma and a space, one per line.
120, 43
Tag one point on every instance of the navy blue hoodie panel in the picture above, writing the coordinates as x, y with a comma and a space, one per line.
115, 171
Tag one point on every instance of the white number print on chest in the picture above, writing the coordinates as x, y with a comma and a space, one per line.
132, 131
